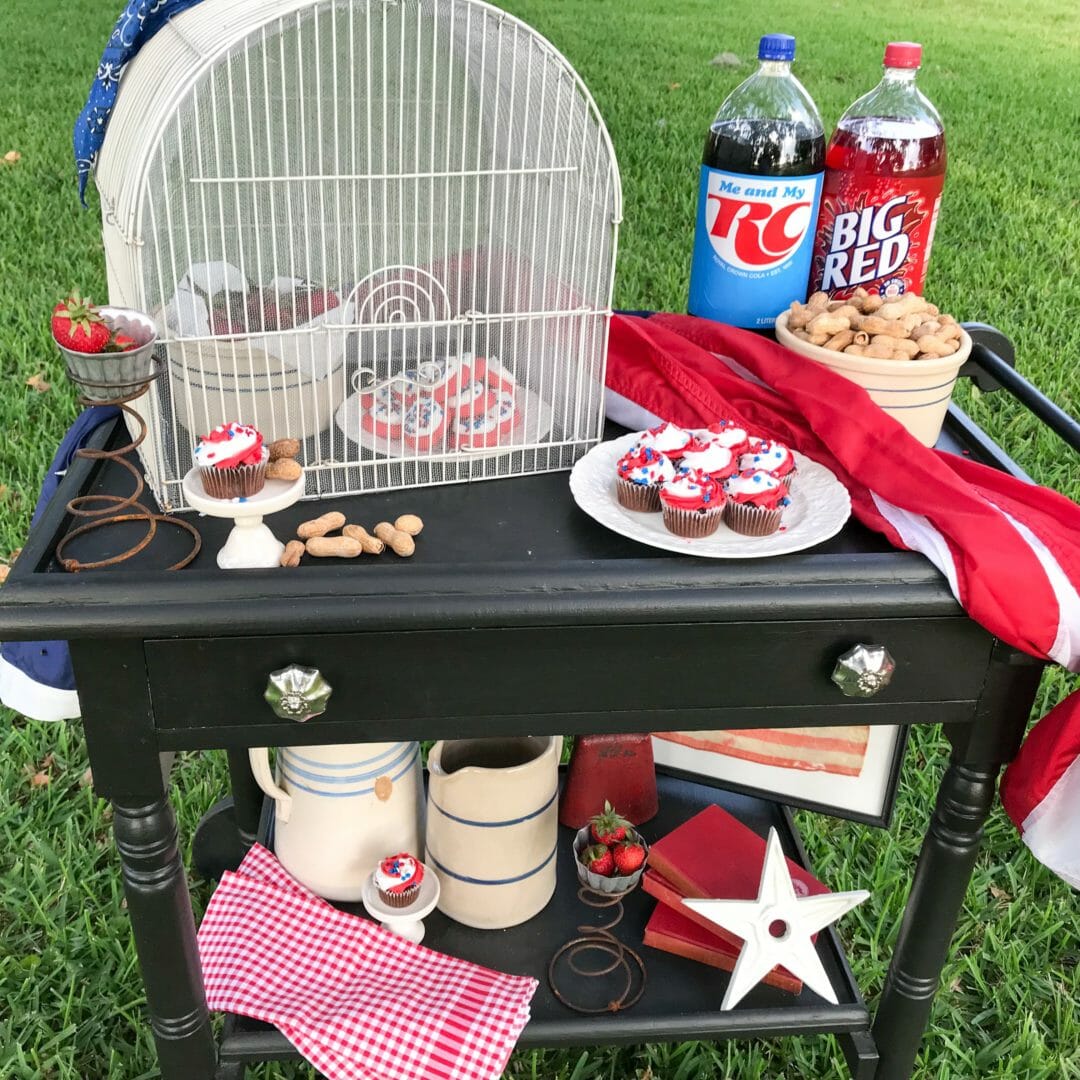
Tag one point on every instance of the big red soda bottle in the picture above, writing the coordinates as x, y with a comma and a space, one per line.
758, 196
884, 170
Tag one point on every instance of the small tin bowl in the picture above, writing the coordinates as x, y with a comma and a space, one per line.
607, 885
103, 377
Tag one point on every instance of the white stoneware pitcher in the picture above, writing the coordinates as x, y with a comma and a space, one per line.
492, 827
339, 809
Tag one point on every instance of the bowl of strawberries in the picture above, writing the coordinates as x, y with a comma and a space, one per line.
109, 351
610, 854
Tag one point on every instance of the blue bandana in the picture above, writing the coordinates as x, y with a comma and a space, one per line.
140, 21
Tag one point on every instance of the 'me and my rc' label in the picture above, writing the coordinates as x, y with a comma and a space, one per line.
752, 245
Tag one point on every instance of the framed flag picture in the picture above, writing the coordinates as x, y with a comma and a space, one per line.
849, 772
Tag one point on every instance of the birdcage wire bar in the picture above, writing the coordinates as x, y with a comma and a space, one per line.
434, 166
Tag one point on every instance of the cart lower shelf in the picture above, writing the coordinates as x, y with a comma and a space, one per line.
682, 997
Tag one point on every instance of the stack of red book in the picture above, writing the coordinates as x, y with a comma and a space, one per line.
711, 855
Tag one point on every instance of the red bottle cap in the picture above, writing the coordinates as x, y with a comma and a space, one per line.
903, 54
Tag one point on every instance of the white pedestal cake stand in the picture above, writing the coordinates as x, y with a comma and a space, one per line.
406, 922
251, 545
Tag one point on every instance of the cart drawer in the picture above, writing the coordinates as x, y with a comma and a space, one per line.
681, 675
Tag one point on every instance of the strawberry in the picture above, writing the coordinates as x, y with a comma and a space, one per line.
120, 343
264, 312
629, 857
608, 828
219, 322
599, 860
77, 325
311, 302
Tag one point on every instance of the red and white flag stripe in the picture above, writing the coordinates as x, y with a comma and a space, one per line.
1009, 550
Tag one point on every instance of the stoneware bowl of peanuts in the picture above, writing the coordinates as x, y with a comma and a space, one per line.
904, 352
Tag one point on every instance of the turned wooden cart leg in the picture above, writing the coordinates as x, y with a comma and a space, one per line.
948, 855
937, 894
130, 772
164, 929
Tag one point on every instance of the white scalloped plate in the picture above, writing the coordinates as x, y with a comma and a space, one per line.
820, 505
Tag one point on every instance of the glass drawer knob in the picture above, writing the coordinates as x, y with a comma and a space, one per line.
864, 670
297, 693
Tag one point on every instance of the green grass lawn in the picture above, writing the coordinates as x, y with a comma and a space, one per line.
1004, 77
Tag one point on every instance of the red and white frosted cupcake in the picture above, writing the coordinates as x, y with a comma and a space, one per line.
711, 458
232, 461
755, 503
725, 433
669, 439
639, 476
693, 504
397, 878
771, 457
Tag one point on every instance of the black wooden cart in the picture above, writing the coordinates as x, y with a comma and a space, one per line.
518, 615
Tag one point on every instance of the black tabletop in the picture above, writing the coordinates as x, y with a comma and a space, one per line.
516, 551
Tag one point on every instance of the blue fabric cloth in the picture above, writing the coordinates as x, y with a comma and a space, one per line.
48, 662
138, 23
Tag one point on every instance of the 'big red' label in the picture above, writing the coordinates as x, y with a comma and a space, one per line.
875, 233
752, 245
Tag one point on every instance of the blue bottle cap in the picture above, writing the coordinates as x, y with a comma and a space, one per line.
776, 47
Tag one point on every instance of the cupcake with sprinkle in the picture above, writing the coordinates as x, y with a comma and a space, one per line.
771, 457
726, 433
756, 501
711, 458
693, 504
670, 439
639, 475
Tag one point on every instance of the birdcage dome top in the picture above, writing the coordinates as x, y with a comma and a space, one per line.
385, 228
164, 72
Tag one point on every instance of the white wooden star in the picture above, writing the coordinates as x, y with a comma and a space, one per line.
776, 903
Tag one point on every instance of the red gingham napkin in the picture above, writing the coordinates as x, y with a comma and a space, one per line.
358, 1002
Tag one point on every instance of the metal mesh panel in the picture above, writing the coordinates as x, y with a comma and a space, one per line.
437, 166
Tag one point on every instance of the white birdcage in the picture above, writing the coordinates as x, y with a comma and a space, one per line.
384, 227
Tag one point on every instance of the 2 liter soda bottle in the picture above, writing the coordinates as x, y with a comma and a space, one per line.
884, 171
758, 197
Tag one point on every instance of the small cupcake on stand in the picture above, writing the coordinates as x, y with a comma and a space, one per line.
401, 892
237, 476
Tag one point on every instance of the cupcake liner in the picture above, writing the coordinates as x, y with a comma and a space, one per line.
401, 899
597, 882
234, 482
789, 480
750, 520
644, 498
692, 524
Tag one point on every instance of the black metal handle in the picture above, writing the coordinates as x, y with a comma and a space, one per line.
992, 366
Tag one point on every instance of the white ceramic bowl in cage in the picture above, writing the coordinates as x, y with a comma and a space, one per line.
236, 379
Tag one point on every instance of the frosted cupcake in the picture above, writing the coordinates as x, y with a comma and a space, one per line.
669, 439
397, 879
755, 503
771, 457
725, 433
711, 458
232, 461
693, 504
639, 476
